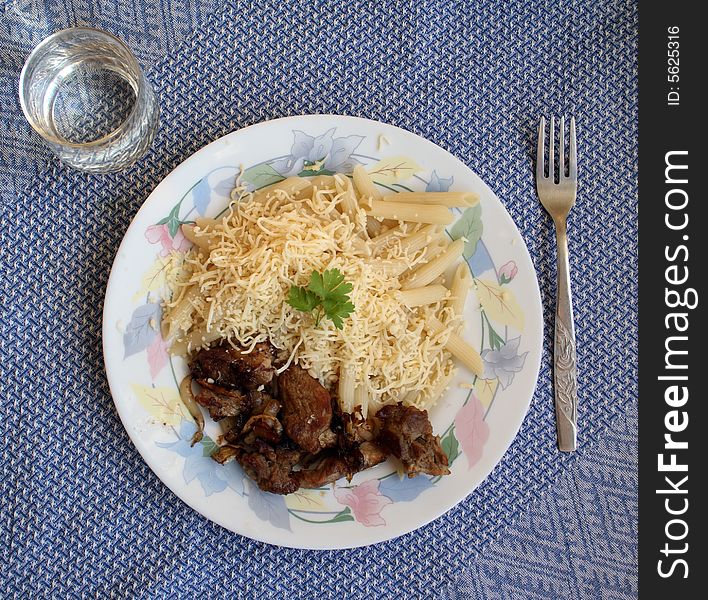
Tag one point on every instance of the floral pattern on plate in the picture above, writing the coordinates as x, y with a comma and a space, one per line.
322, 155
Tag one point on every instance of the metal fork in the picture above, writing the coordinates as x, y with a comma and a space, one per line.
558, 198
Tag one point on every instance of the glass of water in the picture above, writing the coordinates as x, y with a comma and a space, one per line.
82, 90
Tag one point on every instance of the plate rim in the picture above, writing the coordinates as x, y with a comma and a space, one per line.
267, 537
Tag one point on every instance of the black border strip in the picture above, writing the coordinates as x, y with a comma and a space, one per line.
672, 272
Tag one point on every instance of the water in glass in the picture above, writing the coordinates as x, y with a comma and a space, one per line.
83, 91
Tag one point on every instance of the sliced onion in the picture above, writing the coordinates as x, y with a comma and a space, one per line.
187, 396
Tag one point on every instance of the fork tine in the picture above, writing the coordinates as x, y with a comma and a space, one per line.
540, 170
551, 150
573, 167
561, 151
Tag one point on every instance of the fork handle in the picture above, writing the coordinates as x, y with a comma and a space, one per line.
565, 374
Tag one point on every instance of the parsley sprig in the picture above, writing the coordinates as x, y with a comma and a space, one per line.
326, 295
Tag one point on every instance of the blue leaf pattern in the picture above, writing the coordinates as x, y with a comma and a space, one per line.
212, 476
268, 507
321, 146
406, 489
142, 329
339, 158
288, 166
232, 474
437, 184
202, 196
225, 187
480, 261
302, 145
199, 467
336, 153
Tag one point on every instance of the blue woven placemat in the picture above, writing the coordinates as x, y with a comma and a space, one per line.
578, 541
80, 512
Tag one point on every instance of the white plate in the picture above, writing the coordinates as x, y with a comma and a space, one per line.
476, 425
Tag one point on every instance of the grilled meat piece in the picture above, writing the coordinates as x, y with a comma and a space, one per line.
263, 423
259, 420
307, 410
301, 438
406, 433
356, 428
221, 402
225, 454
327, 470
333, 466
371, 454
229, 367
259, 401
262, 427
271, 467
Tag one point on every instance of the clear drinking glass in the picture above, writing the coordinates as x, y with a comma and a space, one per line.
82, 90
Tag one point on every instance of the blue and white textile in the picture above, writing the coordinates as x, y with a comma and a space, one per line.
81, 515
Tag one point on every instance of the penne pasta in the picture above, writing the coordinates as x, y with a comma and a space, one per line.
291, 186
426, 273
347, 197
424, 295
465, 353
460, 349
444, 240
413, 213
372, 406
461, 284
387, 223
449, 199
438, 280
204, 222
183, 311
346, 388
420, 239
322, 182
201, 241
200, 338
364, 185
382, 240
437, 247
390, 267
361, 396
366, 191
373, 227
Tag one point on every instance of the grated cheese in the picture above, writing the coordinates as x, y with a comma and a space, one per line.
262, 247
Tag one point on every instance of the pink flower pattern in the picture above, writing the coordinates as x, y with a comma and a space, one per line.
160, 234
157, 356
507, 272
365, 501
472, 430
